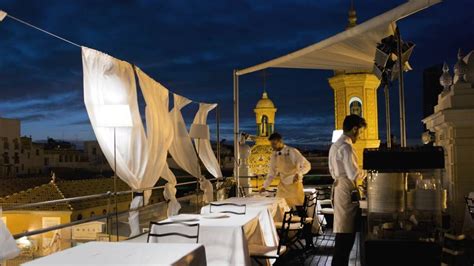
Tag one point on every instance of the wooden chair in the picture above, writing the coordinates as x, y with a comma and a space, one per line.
233, 208
177, 231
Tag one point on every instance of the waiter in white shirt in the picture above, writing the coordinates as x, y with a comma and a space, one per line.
345, 172
289, 165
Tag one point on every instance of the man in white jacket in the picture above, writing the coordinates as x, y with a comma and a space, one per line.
345, 172
289, 165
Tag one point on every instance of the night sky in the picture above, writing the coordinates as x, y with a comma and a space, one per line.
192, 47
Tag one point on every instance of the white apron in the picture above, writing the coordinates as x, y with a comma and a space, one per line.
344, 210
292, 192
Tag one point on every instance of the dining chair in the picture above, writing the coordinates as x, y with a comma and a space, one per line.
228, 207
470, 205
265, 252
176, 226
306, 215
326, 211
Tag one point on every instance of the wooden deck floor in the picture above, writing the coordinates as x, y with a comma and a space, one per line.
321, 255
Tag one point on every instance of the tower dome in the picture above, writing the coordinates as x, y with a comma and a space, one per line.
264, 102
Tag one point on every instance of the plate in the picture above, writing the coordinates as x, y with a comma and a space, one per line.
184, 218
215, 215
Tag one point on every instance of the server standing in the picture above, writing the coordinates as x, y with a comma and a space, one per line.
345, 172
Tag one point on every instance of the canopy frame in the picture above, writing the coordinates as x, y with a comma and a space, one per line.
390, 17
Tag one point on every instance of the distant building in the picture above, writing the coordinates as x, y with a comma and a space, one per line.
62, 154
32, 158
96, 157
9, 147
20, 156
431, 88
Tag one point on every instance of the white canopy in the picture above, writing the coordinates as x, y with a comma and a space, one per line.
351, 50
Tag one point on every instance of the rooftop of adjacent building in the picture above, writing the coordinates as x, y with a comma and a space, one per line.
62, 189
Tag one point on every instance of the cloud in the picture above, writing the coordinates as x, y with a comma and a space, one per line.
192, 47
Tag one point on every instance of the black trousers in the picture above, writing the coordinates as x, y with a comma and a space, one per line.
342, 249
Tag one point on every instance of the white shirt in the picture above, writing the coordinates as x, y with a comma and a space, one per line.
343, 159
287, 163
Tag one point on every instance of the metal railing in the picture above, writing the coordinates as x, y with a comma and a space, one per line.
108, 195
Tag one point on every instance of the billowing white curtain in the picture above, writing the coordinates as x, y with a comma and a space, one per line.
169, 192
140, 160
182, 149
203, 146
108, 82
8, 247
160, 135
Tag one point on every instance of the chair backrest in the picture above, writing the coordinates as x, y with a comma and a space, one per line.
228, 207
310, 201
175, 230
470, 205
285, 229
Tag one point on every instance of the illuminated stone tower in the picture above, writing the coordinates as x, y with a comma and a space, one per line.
265, 119
356, 93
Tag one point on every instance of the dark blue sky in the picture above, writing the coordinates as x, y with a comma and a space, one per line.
192, 47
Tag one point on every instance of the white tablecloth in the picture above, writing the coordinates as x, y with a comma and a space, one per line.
105, 253
226, 239
268, 210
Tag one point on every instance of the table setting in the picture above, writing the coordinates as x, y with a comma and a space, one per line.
226, 237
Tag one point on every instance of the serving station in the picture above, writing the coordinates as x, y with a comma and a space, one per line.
405, 202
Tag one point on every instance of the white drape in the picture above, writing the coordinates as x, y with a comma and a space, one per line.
8, 247
109, 81
182, 149
140, 160
170, 192
159, 122
159, 127
204, 148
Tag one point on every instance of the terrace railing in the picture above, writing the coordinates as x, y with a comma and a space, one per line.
110, 226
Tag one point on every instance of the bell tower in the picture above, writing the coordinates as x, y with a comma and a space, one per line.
265, 118
261, 152
356, 93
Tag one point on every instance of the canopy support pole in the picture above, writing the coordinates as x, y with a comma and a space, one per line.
401, 91
387, 115
218, 135
236, 133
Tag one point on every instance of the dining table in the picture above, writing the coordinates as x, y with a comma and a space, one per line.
126, 253
226, 237
268, 210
